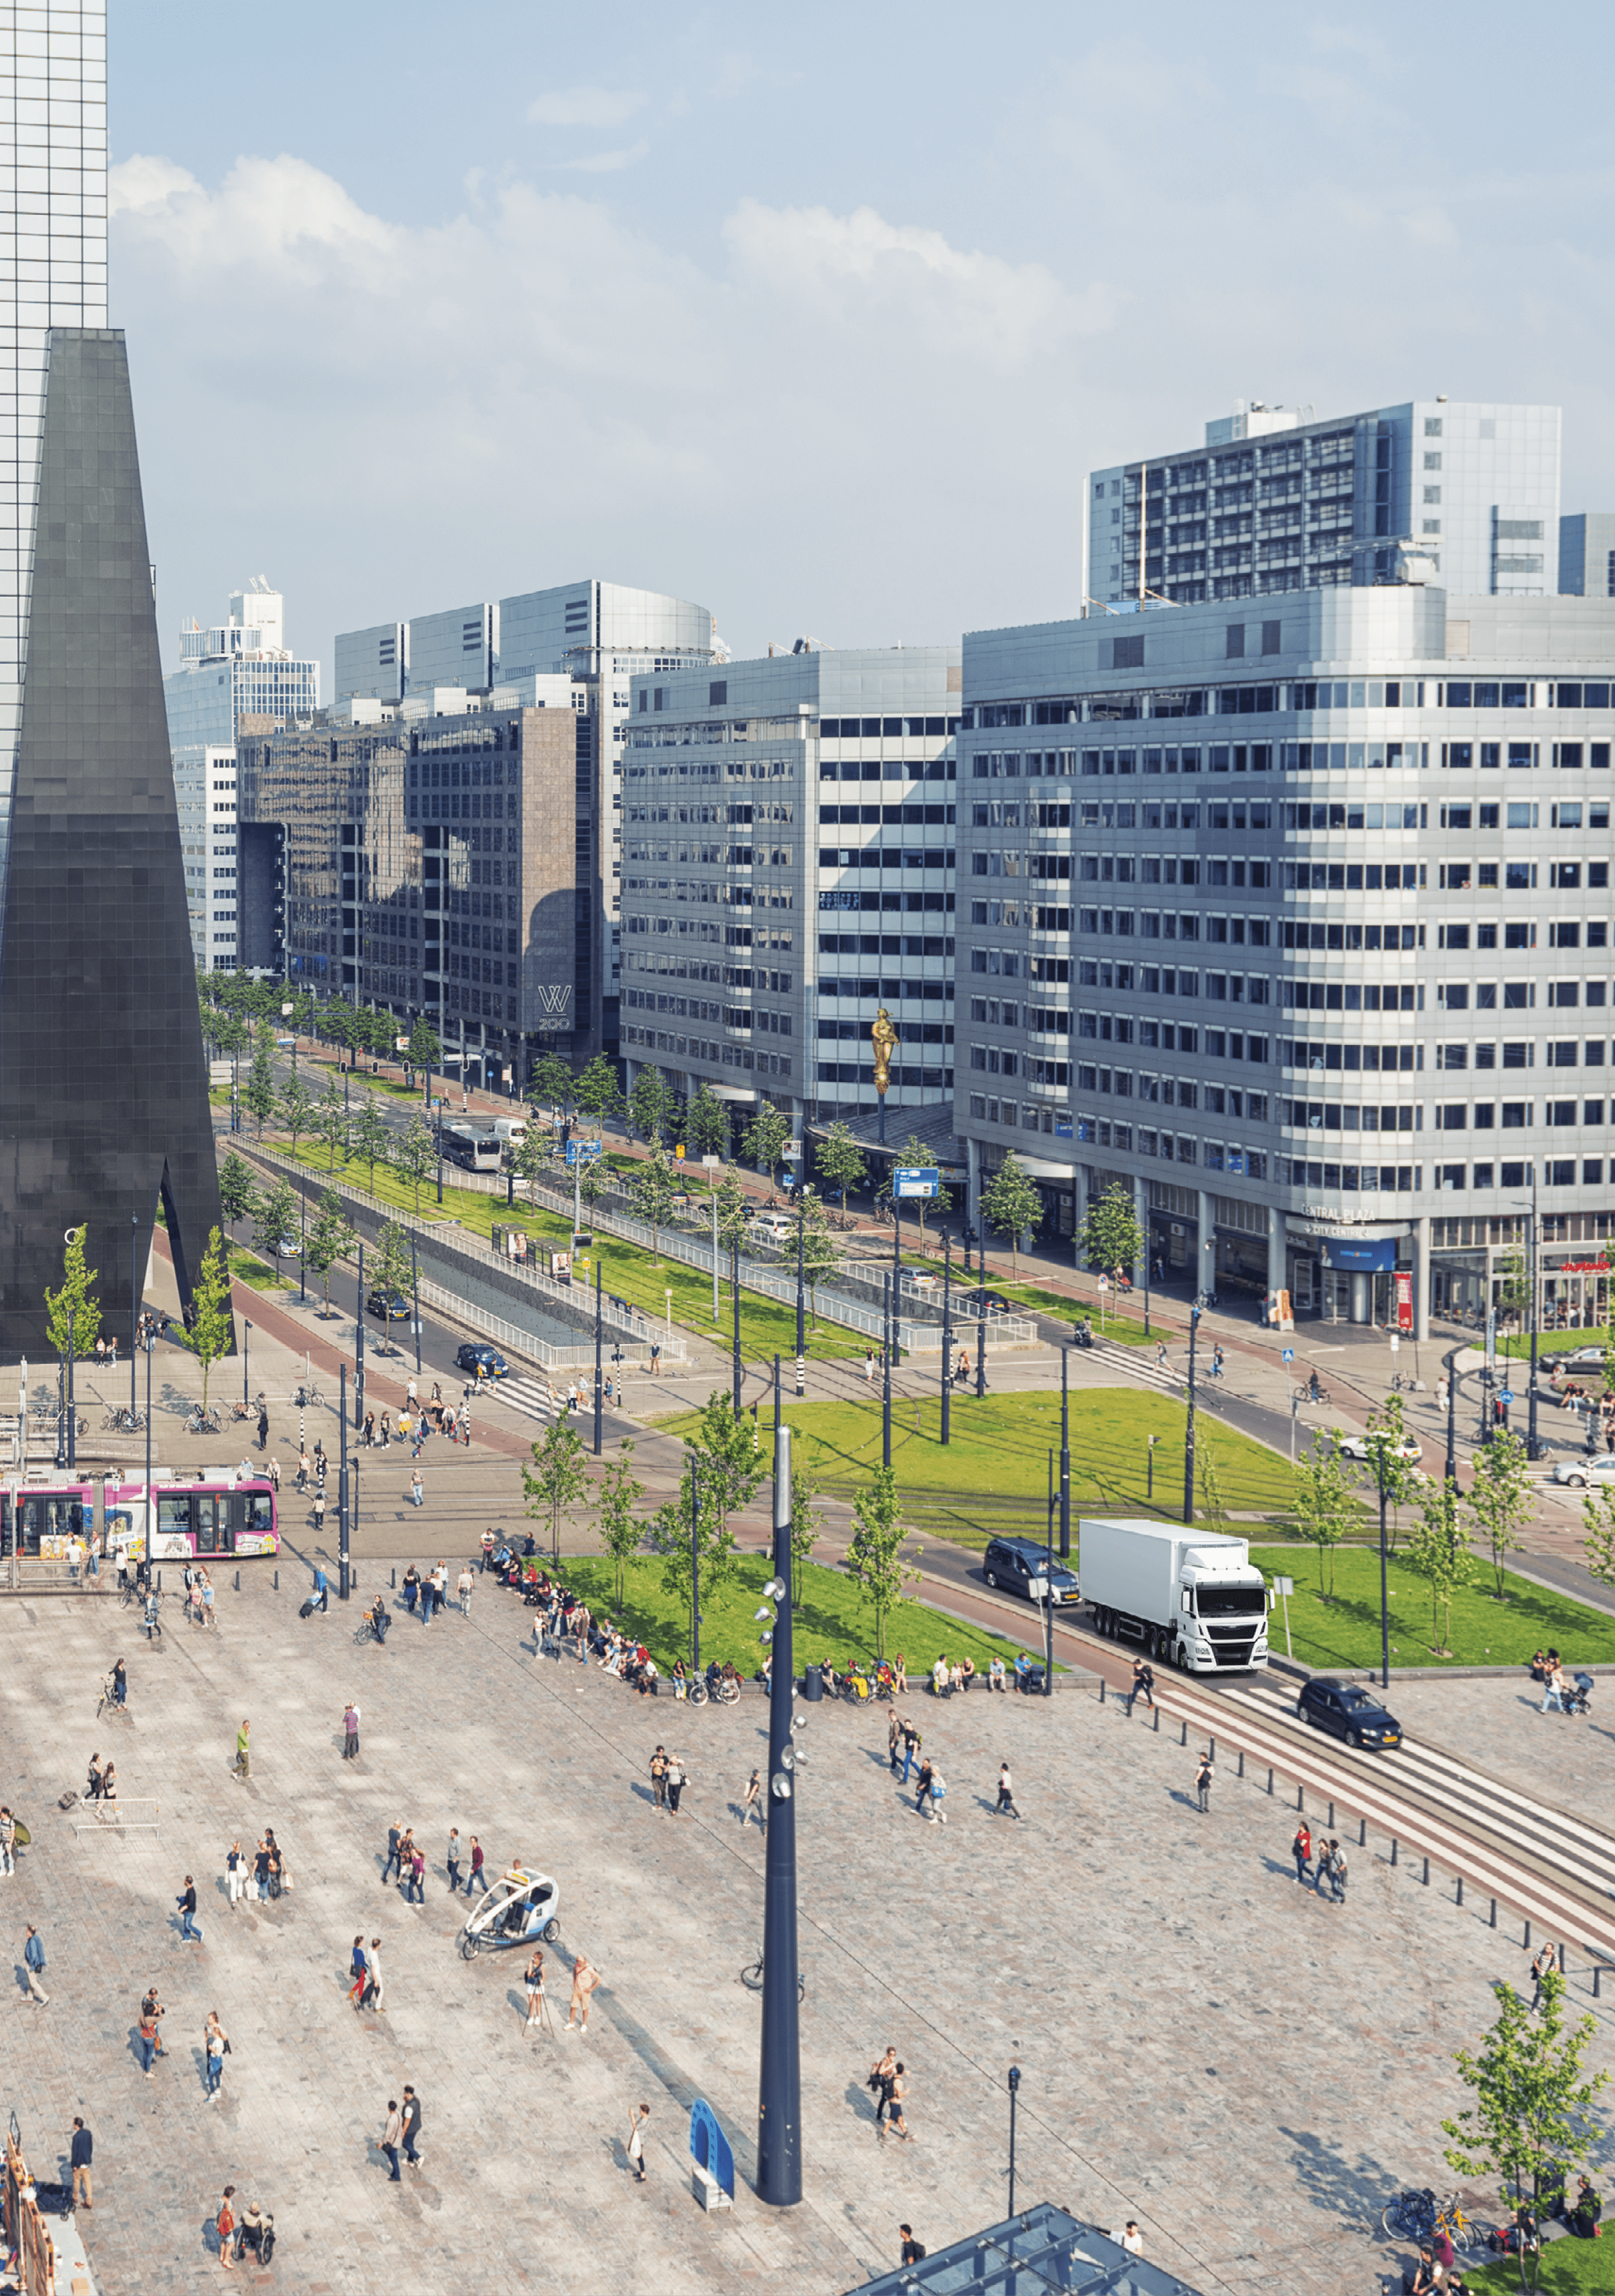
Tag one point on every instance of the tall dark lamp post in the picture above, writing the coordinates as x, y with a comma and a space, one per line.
1379, 1453
886, 1371
1015, 2086
599, 1389
947, 1331
133, 1300
342, 1486
1451, 1469
414, 1278
1048, 1587
1065, 1457
801, 1333
779, 2102
734, 1302
694, 1568
358, 1369
1189, 1423
246, 1349
1534, 1447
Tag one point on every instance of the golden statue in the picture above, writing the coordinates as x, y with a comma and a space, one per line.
884, 1038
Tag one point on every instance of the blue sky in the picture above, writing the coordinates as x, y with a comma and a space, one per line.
816, 316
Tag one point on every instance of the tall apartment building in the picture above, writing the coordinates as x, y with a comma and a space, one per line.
599, 633
1275, 501
239, 672
435, 864
1296, 920
788, 844
1587, 555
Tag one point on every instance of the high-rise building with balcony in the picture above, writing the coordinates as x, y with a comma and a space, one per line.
1276, 500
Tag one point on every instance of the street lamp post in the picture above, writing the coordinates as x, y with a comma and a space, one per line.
1048, 1587
981, 1343
1379, 1453
886, 1371
1189, 1424
302, 1264
134, 1300
779, 2108
1065, 1457
695, 1570
1451, 1471
1534, 1447
947, 1332
801, 1239
246, 1350
358, 1369
342, 1486
734, 1302
599, 1389
1014, 2085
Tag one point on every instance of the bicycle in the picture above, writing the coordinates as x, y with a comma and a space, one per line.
308, 1399
751, 1978
239, 1411
204, 1423
1418, 2216
120, 1420
109, 1698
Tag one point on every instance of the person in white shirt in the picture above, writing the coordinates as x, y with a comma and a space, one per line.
1132, 2239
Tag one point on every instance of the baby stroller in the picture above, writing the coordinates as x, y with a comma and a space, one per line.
1577, 1693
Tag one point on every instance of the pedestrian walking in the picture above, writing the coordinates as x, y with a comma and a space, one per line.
1132, 2239
147, 2033
243, 1751
417, 1877
534, 1982
375, 1994
912, 1743
452, 1860
263, 1427
462, 1588
1143, 1687
586, 1977
476, 1885
659, 1778
913, 2250
656, 1358
868, 1366
939, 1795
350, 1731
637, 2141
261, 1864
395, 1839
894, 2122
388, 2141
319, 1508
412, 2126
752, 1800
1336, 1872
1301, 1849
187, 1901
679, 1778
1006, 1793
417, 1495
1546, 1960
84, 2153
225, 2225
894, 1739
33, 1961
1202, 1781
922, 1792
216, 2048
8, 1840
358, 1968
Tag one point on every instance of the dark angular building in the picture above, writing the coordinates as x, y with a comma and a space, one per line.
104, 1088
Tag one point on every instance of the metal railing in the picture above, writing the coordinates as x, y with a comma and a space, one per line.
508, 1336
103, 1818
616, 1316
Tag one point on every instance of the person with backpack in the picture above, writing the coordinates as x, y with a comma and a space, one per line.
1336, 1874
1143, 1687
913, 2250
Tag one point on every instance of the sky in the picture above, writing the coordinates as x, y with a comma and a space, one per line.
818, 317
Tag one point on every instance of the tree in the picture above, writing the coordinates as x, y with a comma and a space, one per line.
591, 1179
330, 1239
707, 1123
1325, 1503
413, 1153
652, 1190
424, 1051
1499, 1498
875, 1557
552, 1082
597, 1093
1012, 1206
331, 1125
342, 1024
618, 1512
1214, 1506
766, 1139
820, 1256
1531, 2120
298, 1106
731, 1208
1111, 1238
74, 1305
721, 1474
839, 1160
395, 1267
1387, 1432
370, 1137
236, 1188
1440, 1558
274, 1216
258, 1094
1598, 1514
648, 1103
1513, 1290
212, 1326
557, 1478
806, 1519
530, 1156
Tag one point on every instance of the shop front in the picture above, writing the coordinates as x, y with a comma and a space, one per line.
1575, 1293
1351, 1275
1173, 1246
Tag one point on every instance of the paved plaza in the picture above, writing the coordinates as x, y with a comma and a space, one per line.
1247, 2070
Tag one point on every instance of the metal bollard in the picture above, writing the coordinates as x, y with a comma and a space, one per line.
1158, 1721
277, 1582
1211, 1748
1362, 1833
159, 1582
1460, 1889
1597, 1973
1242, 1762
1494, 1920
1270, 1778
238, 1582
1331, 1817
1561, 1961
1393, 1848
1528, 1937
1300, 1797
395, 1581
1426, 1874
1183, 1740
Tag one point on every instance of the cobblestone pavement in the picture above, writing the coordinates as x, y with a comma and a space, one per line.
1249, 2070
1497, 1726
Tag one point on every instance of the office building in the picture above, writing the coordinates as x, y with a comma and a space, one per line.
240, 671
103, 1089
599, 633
1587, 555
1275, 501
1295, 920
440, 864
788, 867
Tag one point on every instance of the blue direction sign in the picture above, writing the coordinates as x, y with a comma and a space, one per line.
916, 1180
582, 1151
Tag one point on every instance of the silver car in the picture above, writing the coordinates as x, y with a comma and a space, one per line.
1580, 1473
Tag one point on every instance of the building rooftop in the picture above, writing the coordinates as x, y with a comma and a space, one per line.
1042, 2249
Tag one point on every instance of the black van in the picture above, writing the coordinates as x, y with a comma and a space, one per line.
1015, 1564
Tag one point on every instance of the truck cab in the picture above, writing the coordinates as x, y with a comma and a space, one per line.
1194, 1599
1222, 1613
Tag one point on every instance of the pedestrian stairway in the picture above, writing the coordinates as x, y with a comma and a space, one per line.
1140, 1363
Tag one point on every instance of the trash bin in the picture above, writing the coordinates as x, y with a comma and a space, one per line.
813, 1686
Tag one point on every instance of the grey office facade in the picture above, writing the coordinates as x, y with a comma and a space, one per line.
1295, 920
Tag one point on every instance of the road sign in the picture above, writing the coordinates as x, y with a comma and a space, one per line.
1505, 1396
1289, 1355
1395, 1343
916, 1180
679, 1153
582, 1151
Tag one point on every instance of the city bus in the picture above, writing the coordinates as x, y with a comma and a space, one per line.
471, 1149
215, 1514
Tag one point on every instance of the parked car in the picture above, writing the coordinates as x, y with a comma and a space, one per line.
1580, 1472
1363, 1447
1349, 1711
391, 1310
477, 1357
1019, 1564
1573, 1359
980, 1301
773, 1228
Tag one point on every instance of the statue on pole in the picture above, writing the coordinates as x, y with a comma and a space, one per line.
884, 1038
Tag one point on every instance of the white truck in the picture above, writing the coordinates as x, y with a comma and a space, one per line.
1193, 1598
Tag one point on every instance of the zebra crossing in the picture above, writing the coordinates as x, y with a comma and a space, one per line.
1138, 1364
529, 1398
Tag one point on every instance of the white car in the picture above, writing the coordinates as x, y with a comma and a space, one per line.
1580, 1472
1365, 1446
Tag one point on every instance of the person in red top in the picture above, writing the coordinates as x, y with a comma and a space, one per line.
476, 1882
1301, 1849
227, 2228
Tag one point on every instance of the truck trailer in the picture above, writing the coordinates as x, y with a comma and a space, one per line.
1193, 1598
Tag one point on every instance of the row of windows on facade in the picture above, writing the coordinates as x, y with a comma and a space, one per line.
736, 1056
1286, 696
1151, 925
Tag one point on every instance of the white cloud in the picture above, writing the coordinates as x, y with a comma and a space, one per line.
586, 107
604, 163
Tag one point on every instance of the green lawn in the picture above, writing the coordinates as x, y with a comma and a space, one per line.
992, 1476
1485, 1632
767, 1327
833, 1620
1569, 2267
1551, 1343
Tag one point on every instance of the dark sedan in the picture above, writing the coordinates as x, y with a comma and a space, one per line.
392, 1309
980, 1301
485, 1362
1347, 1711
